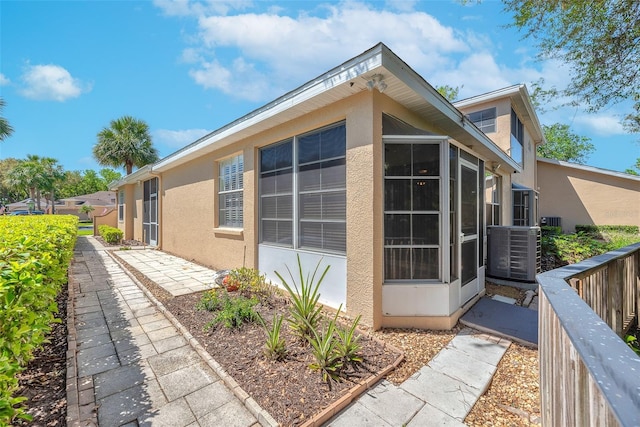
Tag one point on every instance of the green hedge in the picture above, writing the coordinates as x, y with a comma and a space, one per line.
110, 234
35, 252
596, 229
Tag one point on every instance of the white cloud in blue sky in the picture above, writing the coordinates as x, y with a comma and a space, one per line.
51, 83
4, 80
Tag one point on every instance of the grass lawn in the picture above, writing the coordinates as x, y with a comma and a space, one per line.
85, 229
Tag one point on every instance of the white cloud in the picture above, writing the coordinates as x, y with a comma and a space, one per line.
4, 80
51, 82
178, 138
277, 51
601, 124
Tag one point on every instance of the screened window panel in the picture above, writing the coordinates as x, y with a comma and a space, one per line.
397, 263
485, 120
397, 160
426, 160
397, 229
323, 206
397, 195
426, 194
311, 235
425, 229
425, 263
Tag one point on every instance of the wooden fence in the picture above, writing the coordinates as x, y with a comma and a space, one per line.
588, 375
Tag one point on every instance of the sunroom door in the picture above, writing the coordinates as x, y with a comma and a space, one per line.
150, 213
470, 228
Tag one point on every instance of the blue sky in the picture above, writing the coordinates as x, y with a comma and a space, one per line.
67, 68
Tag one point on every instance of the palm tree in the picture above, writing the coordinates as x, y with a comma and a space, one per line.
126, 142
5, 128
36, 175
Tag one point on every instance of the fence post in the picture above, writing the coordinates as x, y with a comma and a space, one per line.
615, 300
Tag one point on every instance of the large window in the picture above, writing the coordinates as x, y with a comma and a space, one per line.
412, 211
517, 138
485, 120
303, 183
121, 205
230, 192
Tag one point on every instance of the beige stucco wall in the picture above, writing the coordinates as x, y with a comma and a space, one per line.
585, 197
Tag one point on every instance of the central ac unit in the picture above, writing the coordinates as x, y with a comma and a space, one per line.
513, 252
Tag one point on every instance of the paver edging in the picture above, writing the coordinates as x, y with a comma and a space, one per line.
74, 414
264, 418
354, 392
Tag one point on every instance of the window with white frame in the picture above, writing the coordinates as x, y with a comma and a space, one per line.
303, 191
517, 138
493, 186
411, 211
121, 205
485, 120
230, 192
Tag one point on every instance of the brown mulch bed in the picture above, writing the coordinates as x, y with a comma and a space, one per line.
43, 382
290, 391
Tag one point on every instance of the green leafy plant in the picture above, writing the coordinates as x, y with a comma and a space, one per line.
249, 280
110, 234
632, 341
35, 253
210, 301
325, 353
348, 346
275, 348
234, 312
305, 310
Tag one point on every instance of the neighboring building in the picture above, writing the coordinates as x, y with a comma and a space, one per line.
573, 194
366, 168
102, 202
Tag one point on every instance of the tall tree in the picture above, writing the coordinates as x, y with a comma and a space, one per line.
9, 193
562, 144
109, 175
5, 128
126, 142
600, 42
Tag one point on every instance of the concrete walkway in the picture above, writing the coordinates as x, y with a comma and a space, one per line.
440, 394
128, 365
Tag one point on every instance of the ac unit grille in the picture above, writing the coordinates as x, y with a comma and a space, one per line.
513, 252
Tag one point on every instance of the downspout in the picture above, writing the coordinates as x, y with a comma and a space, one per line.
160, 210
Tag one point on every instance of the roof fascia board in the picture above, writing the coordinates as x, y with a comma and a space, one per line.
414, 81
141, 173
589, 169
489, 96
349, 70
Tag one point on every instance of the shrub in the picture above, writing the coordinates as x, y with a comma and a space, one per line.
325, 353
249, 280
348, 347
305, 310
275, 348
234, 312
110, 234
598, 229
35, 253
